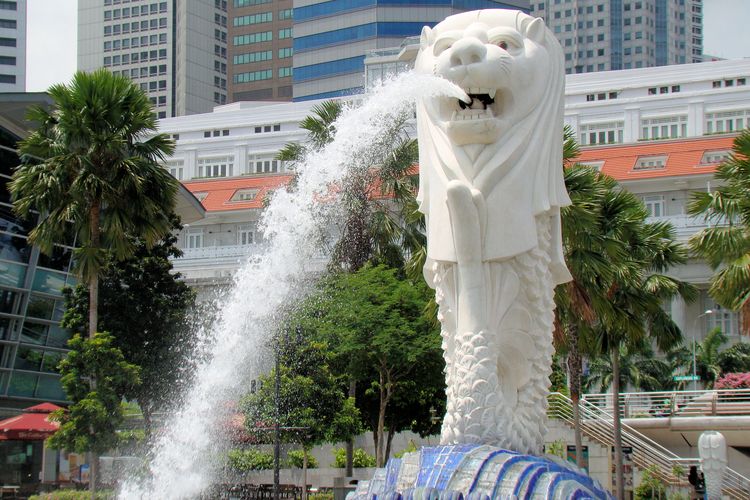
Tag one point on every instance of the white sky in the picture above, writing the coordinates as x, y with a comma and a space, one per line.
51, 37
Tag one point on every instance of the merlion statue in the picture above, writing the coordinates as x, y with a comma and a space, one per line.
491, 188
712, 448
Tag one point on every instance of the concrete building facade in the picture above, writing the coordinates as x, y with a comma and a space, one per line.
331, 38
599, 35
176, 51
260, 50
13, 46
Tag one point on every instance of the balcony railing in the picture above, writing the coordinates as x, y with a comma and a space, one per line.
217, 252
723, 402
685, 225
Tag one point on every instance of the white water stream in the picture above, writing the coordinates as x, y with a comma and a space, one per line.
184, 454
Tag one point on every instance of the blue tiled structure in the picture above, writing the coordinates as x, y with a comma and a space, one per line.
477, 472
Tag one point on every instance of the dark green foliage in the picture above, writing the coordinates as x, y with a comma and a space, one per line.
247, 460
144, 306
651, 487
313, 408
373, 326
96, 153
90, 423
361, 458
735, 359
74, 495
726, 243
295, 459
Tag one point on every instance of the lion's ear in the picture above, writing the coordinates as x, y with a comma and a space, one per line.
535, 30
427, 37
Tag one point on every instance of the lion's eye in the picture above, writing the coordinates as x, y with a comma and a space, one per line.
503, 44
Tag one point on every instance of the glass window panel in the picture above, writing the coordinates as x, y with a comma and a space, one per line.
7, 328
40, 307
9, 222
13, 247
34, 333
59, 260
9, 301
22, 384
6, 357
50, 388
48, 281
28, 359
51, 360
12, 274
58, 336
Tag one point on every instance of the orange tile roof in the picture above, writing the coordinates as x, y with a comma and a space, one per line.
219, 192
683, 157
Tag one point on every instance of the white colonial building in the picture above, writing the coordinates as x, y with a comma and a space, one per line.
659, 131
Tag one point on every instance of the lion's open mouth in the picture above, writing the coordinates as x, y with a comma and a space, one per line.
478, 107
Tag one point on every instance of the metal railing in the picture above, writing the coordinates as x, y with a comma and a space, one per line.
597, 425
721, 402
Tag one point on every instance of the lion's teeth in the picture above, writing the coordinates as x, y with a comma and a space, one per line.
491, 93
453, 116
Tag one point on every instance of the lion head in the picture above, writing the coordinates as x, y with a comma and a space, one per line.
504, 140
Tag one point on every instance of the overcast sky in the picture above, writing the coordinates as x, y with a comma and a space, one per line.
51, 43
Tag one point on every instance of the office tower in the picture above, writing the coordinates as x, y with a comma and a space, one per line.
260, 50
175, 50
601, 35
331, 38
13, 46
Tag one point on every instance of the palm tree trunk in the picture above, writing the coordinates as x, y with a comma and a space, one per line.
304, 473
574, 372
619, 479
388, 445
94, 217
350, 442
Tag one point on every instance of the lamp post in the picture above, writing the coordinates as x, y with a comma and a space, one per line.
695, 323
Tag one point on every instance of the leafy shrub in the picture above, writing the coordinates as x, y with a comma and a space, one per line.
295, 458
410, 448
733, 381
651, 486
74, 495
735, 359
320, 496
360, 459
246, 460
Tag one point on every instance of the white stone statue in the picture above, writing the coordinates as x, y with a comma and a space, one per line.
491, 188
712, 448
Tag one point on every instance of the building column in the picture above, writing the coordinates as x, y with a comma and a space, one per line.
696, 120
191, 164
632, 124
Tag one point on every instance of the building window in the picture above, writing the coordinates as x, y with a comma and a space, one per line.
650, 163
727, 121
176, 168
285, 72
285, 33
245, 195
251, 57
714, 157
664, 128
253, 76
265, 36
245, 233
194, 237
654, 205
601, 133
216, 167
263, 17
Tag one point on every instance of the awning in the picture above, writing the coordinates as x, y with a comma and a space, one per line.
34, 425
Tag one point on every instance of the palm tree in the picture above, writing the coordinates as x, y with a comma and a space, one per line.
726, 243
590, 251
638, 369
707, 359
91, 169
637, 293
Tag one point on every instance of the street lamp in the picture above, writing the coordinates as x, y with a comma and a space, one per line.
695, 323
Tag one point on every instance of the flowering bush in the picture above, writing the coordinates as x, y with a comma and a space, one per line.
733, 381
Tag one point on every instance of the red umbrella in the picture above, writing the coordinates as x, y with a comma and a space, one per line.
31, 426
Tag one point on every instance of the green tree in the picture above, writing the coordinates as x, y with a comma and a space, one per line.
735, 359
92, 167
707, 357
311, 406
90, 423
639, 369
636, 294
145, 307
372, 322
725, 244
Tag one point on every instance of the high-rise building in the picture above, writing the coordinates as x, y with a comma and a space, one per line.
13, 46
260, 50
602, 35
175, 50
331, 38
